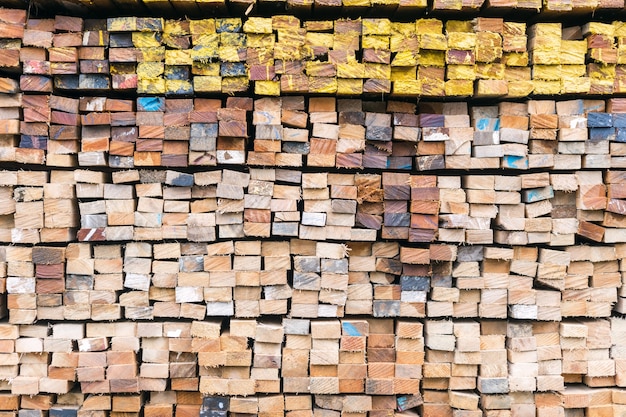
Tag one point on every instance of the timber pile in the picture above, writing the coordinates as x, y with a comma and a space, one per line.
167, 251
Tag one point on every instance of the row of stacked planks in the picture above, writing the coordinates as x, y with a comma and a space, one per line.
429, 57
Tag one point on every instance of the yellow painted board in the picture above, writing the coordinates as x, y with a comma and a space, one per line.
462, 88
407, 87
577, 85
376, 27
258, 25
267, 88
207, 83
347, 86
461, 72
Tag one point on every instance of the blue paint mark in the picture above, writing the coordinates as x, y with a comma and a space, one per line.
488, 124
482, 124
183, 180
350, 330
515, 162
619, 119
601, 133
151, 103
599, 119
538, 194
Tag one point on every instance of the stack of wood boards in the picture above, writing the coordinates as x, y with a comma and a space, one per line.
483, 57
321, 132
212, 216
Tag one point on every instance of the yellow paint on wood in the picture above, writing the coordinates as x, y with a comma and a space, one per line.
258, 25
376, 27
601, 72
407, 73
375, 42
319, 25
461, 72
377, 71
146, 39
178, 86
488, 46
573, 52
351, 70
208, 68
267, 88
545, 57
356, 3
233, 39
601, 86
207, 84
490, 71
285, 22
433, 41
520, 88
461, 40
603, 55
457, 88
599, 28
543, 87
430, 58
459, 26
432, 26
234, 84
546, 72
316, 68
229, 53
228, 24
577, 85
514, 29
407, 87
404, 29
260, 40
546, 30
515, 43
201, 27
323, 85
210, 40
347, 86
287, 52
149, 70
401, 43
318, 39
156, 54
178, 57
515, 59
619, 28
573, 71
621, 54
203, 53
151, 86
346, 41
176, 28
